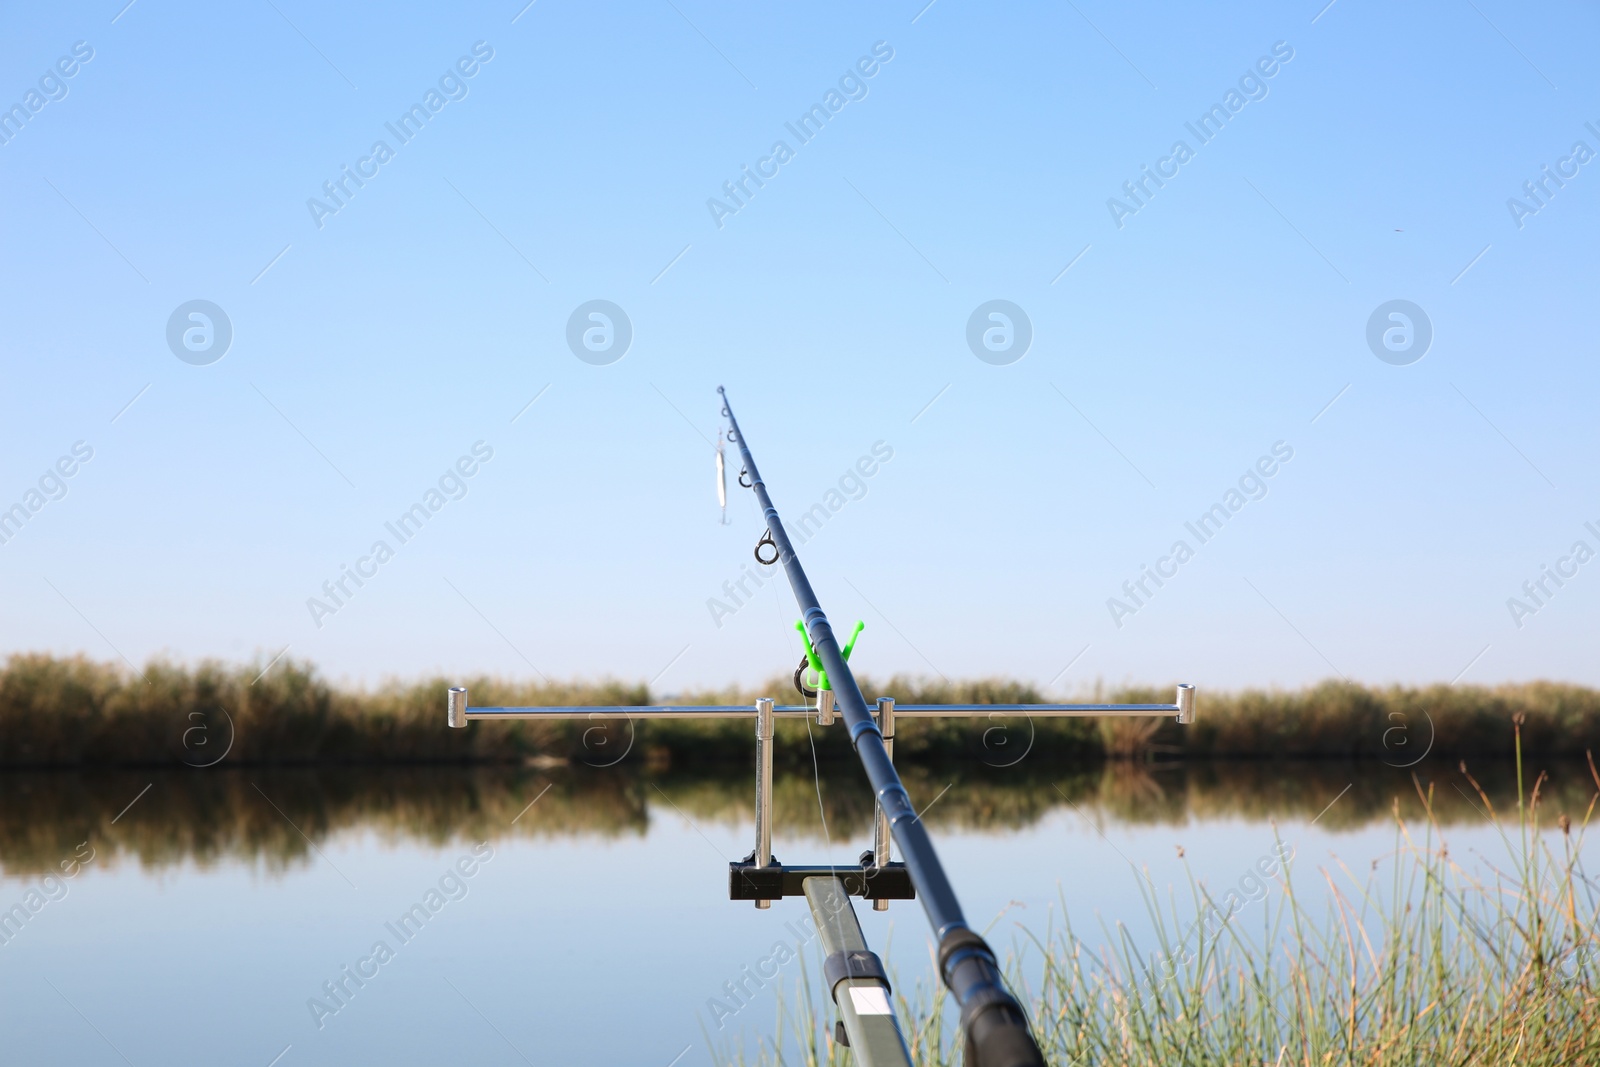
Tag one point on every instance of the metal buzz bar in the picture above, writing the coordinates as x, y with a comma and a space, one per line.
996, 1028
462, 713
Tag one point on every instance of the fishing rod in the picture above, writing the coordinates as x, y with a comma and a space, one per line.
995, 1025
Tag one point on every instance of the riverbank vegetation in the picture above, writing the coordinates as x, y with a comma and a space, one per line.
73, 712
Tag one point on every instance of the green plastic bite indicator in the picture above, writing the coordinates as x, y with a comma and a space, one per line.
816, 661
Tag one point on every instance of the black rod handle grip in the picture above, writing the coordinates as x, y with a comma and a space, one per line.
995, 1025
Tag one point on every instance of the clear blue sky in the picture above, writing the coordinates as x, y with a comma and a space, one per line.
370, 352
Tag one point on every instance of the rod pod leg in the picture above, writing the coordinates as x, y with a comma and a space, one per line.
764, 735
856, 979
880, 824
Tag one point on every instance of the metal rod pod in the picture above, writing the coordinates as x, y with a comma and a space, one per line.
1185, 703
456, 706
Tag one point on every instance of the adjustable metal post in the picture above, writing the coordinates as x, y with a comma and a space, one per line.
856, 979
881, 837
825, 715
764, 734
1185, 703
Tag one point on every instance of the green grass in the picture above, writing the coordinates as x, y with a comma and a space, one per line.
1423, 958
71, 712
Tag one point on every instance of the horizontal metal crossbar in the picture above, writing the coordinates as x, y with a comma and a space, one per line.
800, 711
460, 710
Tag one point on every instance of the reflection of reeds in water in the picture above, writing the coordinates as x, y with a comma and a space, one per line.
274, 816
245, 814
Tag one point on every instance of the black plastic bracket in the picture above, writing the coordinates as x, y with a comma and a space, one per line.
746, 881
859, 963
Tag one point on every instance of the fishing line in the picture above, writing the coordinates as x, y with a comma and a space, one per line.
837, 920
777, 595
816, 777
807, 695
816, 769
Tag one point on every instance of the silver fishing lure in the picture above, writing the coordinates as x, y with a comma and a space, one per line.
722, 480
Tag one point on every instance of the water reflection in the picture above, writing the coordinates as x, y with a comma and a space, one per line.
273, 817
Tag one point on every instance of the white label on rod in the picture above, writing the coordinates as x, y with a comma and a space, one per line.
870, 1000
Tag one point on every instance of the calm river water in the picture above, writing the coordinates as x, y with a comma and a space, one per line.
572, 916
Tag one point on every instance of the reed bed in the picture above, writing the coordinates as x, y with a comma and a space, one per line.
74, 712
1423, 958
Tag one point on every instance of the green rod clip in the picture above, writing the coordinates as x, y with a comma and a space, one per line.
816, 661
